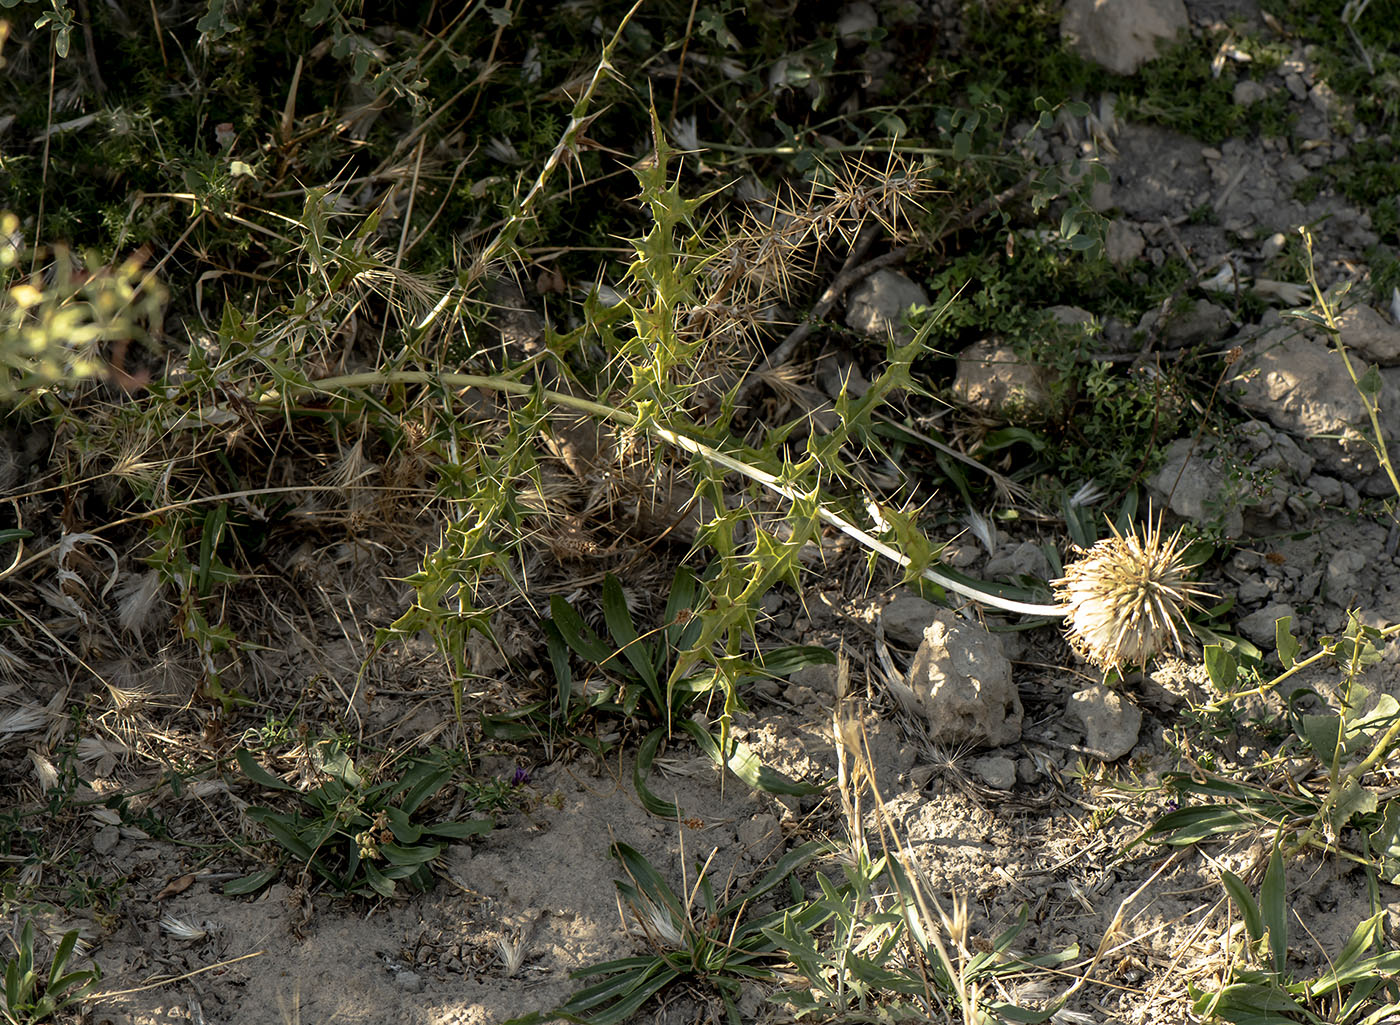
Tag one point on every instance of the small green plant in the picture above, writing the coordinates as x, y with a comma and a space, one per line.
637, 682
32, 997
694, 938
359, 837
1359, 986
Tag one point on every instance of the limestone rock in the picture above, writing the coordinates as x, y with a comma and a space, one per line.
1111, 722
877, 306
1197, 488
1259, 627
1121, 35
1369, 335
997, 771
992, 377
1301, 386
962, 682
1123, 243
906, 618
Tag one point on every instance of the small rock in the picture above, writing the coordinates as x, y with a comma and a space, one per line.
1344, 576
409, 982
1026, 772
906, 618
1244, 560
1198, 321
1272, 246
962, 680
1370, 335
105, 840
961, 556
1253, 591
998, 771
1294, 83
753, 832
1286, 456
1072, 316
1259, 626
1329, 489
1122, 35
1111, 723
1301, 386
1025, 559
993, 378
821, 679
1123, 243
878, 305
1197, 488
856, 22
1248, 92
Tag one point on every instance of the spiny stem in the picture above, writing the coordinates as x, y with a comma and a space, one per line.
350, 382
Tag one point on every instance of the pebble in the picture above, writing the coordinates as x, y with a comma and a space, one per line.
409, 982
998, 771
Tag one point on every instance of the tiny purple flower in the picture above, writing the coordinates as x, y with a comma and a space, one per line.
521, 777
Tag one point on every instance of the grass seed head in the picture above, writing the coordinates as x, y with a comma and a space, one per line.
1127, 598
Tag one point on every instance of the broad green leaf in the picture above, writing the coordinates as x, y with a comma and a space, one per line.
641, 769
1385, 843
1273, 906
257, 773
460, 830
251, 883
1244, 900
624, 633
1221, 668
1353, 799
1322, 733
576, 632
1287, 644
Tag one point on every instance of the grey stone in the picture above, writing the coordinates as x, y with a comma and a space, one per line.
1111, 722
753, 832
962, 681
856, 21
1369, 335
1329, 489
409, 982
1287, 457
993, 378
878, 305
997, 771
1121, 35
1344, 576
906, 618
1198, 321
821, 679
1123, 243
1253, 590
1072, 316
105, 840
1301, 386
1026, 558
1248, 92
1294, 83
1259, 626
1197, 489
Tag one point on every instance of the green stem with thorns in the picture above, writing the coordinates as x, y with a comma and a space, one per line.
352, 382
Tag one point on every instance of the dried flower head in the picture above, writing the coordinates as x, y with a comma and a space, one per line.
1126, 598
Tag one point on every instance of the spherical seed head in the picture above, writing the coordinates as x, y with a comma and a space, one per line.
1126, 598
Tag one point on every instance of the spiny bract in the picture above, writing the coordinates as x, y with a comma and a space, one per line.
1126, 598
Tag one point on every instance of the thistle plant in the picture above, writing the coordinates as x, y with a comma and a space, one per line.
1125, 599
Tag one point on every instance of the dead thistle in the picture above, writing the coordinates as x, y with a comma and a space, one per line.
1125, 600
